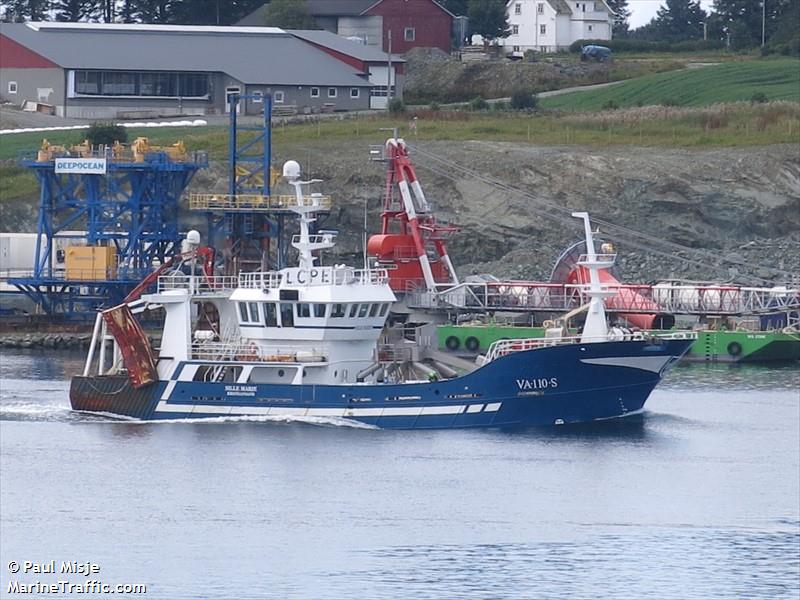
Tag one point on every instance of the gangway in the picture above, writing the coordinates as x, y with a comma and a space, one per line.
526, 296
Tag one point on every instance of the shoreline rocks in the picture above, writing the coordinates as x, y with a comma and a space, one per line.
51, 340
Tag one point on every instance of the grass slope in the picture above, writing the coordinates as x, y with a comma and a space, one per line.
729, 82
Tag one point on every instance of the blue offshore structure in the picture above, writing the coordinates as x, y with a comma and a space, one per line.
134, 205
244, 225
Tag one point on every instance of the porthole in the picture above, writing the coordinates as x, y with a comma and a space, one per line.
281, 373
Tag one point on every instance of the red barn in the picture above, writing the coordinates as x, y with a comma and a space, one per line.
413, 23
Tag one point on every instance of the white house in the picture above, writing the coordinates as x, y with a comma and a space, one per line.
552, 25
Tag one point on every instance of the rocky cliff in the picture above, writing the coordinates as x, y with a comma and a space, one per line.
738, 209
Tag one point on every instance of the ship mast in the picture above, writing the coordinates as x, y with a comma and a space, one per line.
595, 328
306, 207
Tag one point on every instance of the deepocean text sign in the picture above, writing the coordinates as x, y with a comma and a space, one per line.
90, 166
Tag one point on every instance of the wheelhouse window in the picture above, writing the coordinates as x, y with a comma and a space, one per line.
254, 316
319, 310
338, 311
243, 315
384, 309
362, 310
303, 310
270, 314
287, 315
353, 310
373, 310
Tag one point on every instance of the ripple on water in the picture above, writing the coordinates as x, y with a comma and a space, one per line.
664, 563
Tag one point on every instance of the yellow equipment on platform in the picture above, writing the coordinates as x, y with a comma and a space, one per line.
91, 263
49, 151
141, 147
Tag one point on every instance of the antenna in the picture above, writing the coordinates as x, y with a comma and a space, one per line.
364, 240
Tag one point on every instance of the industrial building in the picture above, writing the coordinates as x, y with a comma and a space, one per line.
100, 71
385, 72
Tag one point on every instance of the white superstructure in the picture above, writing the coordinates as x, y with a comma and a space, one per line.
303, 324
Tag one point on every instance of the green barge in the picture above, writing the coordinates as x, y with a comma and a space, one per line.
711, 346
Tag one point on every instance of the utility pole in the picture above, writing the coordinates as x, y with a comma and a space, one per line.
705, 31
389, 72
763, 23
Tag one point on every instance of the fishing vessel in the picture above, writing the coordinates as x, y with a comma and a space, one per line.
317, 340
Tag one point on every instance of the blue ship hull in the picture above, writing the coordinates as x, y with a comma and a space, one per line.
546, 386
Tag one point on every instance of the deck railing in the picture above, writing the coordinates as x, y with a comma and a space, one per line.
255, 202
504, 347
248, 350
197, 284
261, 280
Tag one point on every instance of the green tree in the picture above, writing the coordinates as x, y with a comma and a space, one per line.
676, 21
126, 12
158, 12
289, 14
621, 15
26, 10
742, 18
105, 134
213, 12
488, 19
73, 11
457, 7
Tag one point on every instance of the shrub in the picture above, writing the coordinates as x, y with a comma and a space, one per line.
500, 105
524, 100
434, 107
758, 98
670, 102
478, 103
610, 105
396, 106
105, 134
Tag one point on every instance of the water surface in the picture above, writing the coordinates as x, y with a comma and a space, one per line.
698, 498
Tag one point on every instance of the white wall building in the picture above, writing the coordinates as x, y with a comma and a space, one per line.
552, 25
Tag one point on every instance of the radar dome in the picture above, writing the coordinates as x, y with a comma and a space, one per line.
291, 169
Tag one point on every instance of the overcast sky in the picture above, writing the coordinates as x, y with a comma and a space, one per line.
644, 10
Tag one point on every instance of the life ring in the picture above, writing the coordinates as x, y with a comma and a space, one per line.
734, 348
472, 344
452, 343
